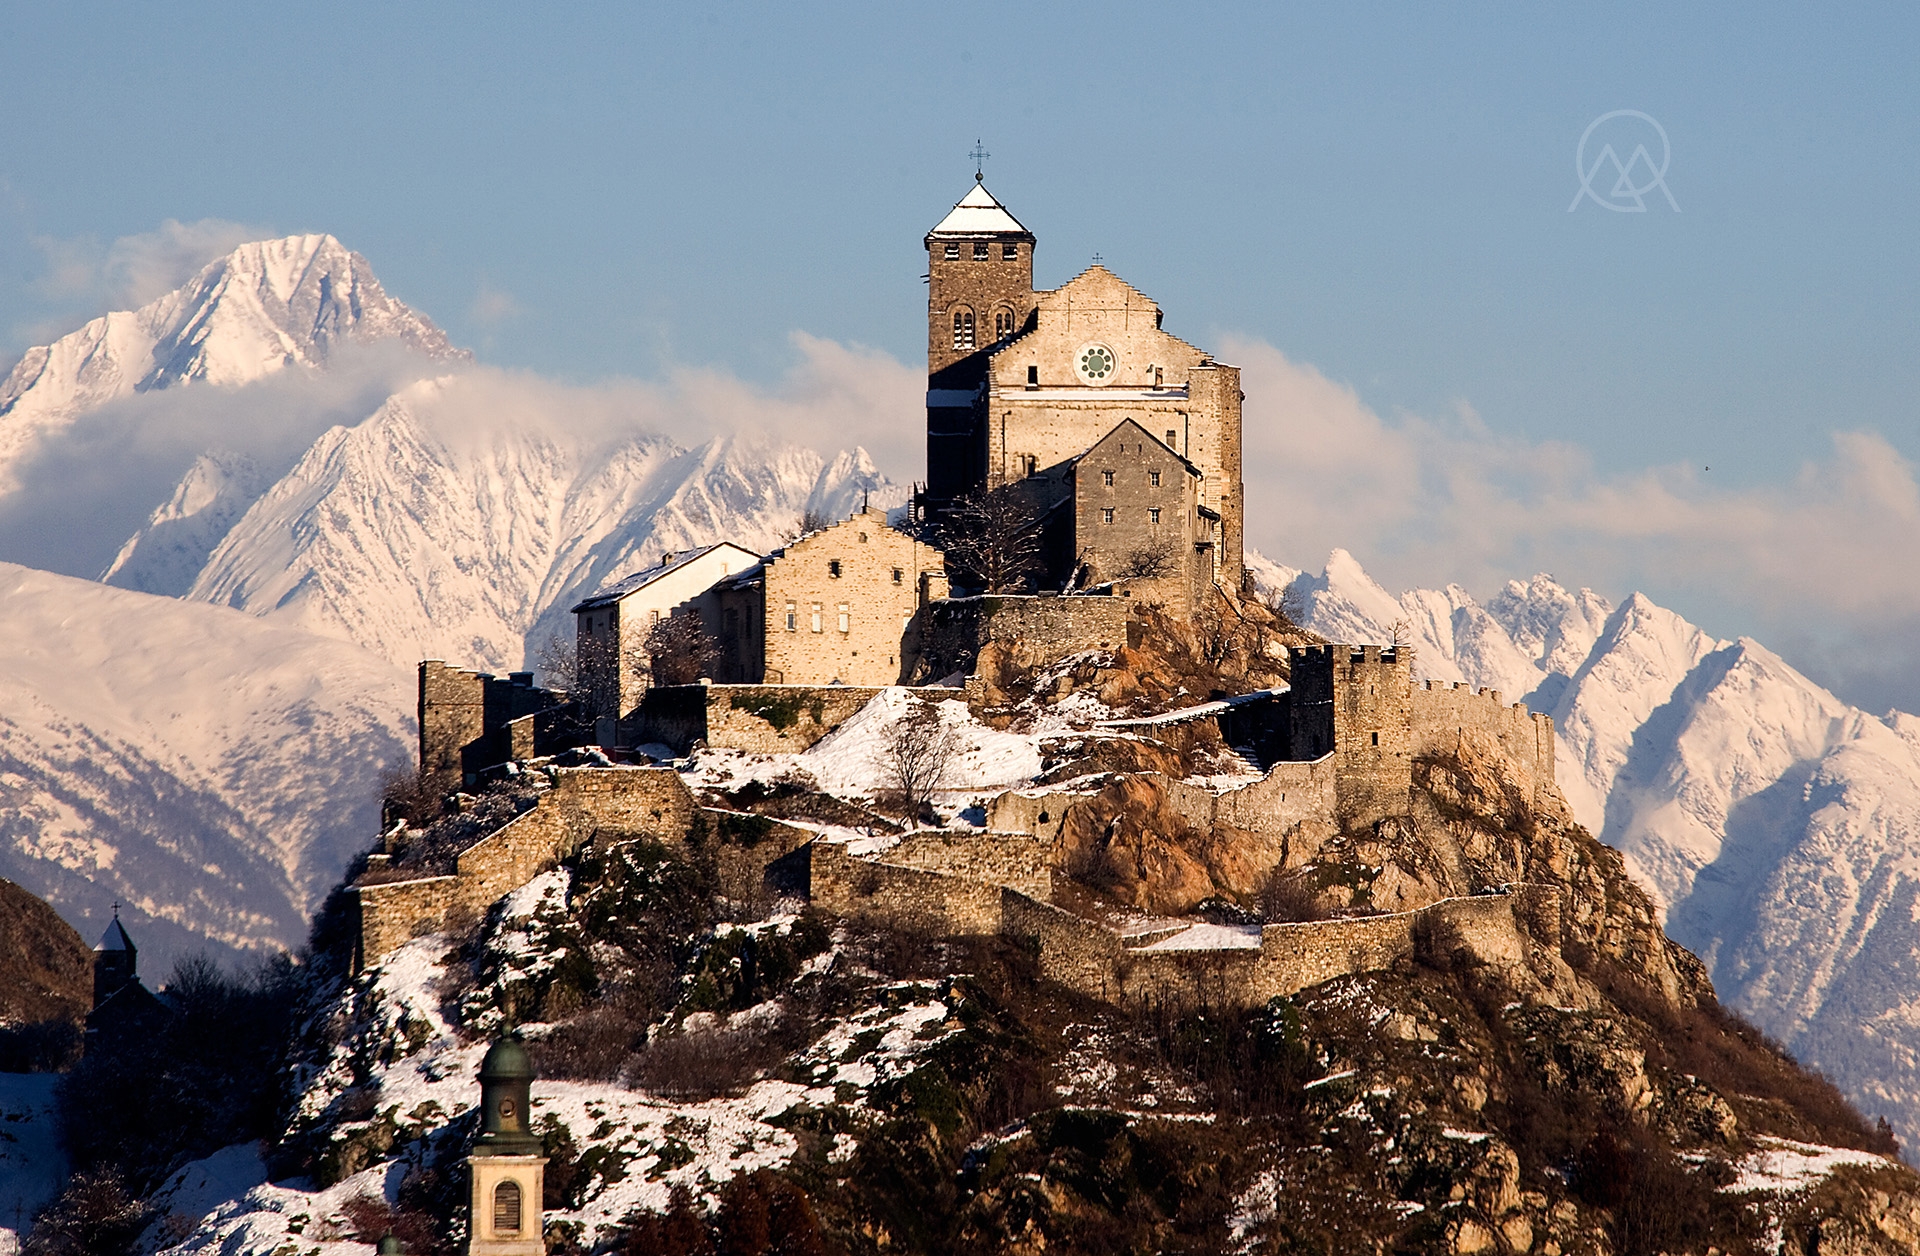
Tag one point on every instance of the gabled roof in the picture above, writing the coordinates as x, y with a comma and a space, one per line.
1177, 456
978, 214
641, 579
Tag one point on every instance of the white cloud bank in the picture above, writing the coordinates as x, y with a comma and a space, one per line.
1826, 565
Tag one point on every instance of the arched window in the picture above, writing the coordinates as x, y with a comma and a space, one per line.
1002, 323
506, 1208
963, 328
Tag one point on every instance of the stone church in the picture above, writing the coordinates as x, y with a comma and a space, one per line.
1028, 391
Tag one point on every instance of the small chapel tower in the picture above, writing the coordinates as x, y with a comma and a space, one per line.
509, 1171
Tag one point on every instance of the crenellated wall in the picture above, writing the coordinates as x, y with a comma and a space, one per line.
1444, 715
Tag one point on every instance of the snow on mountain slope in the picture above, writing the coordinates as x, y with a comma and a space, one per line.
265, 306
167, 555
451, 525
212, 771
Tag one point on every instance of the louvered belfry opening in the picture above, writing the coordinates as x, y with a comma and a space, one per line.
506, 1208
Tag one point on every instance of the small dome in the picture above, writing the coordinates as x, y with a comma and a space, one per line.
507, 1061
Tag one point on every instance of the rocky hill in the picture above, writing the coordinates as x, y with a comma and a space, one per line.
742, 1072
49, 971
1776, 828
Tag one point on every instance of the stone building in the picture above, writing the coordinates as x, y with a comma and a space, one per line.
473, 721
838, 606
123, 1008
1020, 382
611, 627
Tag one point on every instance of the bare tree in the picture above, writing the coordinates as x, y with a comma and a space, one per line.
1402, 633
914, 755
1152, 557
556, 662
992, 539
680, 651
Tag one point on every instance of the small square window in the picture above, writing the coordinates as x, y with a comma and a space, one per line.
897, 575
1106, 477
980, 250
1033, 377
843, 617
953, 252
1153, 478
833, 568
1106, 515
816, 617
1153, 514
1173, 439
793, 620
1376, 739
1009, 252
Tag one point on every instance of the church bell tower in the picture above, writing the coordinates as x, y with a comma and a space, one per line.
979, 294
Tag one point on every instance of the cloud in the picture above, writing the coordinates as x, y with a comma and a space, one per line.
135, 269
491, 307
1824, 558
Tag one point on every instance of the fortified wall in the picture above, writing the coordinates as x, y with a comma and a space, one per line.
584, 804
472, 721
1358, 706
759, 719
1035, 628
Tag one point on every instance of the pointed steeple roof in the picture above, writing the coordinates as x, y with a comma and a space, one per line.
115, 939
978, 214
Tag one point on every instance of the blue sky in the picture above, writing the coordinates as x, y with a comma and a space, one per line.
1380, 194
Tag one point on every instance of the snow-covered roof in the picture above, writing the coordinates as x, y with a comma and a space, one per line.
641, 579
978, 214
115, 938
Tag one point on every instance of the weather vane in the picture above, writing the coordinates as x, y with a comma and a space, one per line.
979, 155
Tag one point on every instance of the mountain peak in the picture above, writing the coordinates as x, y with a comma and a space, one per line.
265, 306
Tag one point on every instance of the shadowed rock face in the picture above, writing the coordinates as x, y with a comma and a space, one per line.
46, 969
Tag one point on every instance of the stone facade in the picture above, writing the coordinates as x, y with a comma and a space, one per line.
1059, 371
1356, 703
471, 721
1137, 513
611, 627
835, 607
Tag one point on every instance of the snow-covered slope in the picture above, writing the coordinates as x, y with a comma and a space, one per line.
1777, 826
213, 771
449, 525
263, 307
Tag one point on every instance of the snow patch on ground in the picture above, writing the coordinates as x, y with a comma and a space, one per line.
32, 1165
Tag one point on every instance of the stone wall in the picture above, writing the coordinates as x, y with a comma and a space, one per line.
585, 804
1037, 812
759, 719
1356, 703
1019, 861
743, 844
1092, 960
1288, 794
926, 901
1444, 715
471, 721
1035, 629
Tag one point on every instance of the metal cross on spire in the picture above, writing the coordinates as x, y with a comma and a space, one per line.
979, 155
116, 911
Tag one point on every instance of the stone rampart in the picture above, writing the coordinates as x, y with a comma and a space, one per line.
585, 804
1019, 861
759, 719
1034, 629
1288, 794
1037, 812
743, 844
1445, 715
1091, 959
932, 902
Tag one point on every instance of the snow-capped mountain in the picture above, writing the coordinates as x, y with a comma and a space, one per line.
449, 525
212, 771
1777, 826
263, 307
